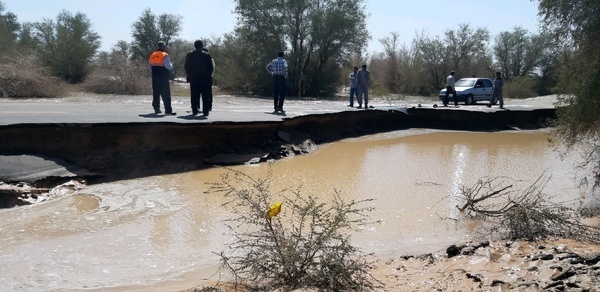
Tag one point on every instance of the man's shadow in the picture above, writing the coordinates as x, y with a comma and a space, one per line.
277, 113
192, 117
152, 116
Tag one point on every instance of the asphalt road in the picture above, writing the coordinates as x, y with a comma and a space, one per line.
86, 108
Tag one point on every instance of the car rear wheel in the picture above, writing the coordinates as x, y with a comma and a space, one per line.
469, 99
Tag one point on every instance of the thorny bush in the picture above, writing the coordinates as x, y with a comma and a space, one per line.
306, 245
528, 214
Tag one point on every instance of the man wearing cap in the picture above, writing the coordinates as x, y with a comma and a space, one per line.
278, 69
160, 64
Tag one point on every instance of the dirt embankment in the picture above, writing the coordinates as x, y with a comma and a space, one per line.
117, 151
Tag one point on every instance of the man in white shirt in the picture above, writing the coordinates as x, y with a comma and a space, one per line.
450, 89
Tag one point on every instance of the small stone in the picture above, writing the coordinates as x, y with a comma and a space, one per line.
469, 250
546, 257
564, 275
453, 251
476, 278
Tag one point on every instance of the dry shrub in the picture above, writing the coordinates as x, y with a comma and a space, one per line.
24, 78
131, 79
307, 245
527, 214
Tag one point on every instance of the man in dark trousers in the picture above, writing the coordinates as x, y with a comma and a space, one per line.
199, 69
160, 64
278, 69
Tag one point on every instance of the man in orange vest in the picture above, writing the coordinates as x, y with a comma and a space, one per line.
160, 64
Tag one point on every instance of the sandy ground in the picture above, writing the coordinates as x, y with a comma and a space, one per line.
551, 265
501, 266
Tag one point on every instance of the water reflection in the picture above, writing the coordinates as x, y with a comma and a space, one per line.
147, 231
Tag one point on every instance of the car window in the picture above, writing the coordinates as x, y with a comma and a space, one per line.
479, 83
464, 83
488, 83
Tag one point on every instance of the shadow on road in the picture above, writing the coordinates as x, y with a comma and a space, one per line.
152, 116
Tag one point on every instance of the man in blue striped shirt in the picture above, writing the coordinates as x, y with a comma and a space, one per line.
278, 69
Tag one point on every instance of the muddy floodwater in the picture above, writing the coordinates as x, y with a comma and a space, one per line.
160, 232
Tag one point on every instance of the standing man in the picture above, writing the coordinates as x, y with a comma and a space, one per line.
160, 64
497, 90
450, 89
354, 87
211, 80
199, 69
362, 80
278, 69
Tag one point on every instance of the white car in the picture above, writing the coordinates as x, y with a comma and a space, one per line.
471, 90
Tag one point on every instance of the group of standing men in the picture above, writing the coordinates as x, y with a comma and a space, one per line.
359, 86
199, 67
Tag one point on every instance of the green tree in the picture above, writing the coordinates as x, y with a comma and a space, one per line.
9, 28
431, 53
316, 34
391, 48
576, 24
26, 43
150, 28
67, 46
463, 50
233, 58
519, 53
465, 47
177, 51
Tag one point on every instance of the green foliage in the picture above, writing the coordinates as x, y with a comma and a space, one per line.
178, 50
462, 50
520, 88
233, 58
576, 25
149, 29
9, 28
316, 35
306, 245
67, 46
519, 53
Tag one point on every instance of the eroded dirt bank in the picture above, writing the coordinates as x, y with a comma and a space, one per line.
117, 151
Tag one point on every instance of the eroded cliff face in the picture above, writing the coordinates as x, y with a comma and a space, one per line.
117, 151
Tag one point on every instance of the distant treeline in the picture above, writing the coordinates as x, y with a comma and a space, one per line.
322, 43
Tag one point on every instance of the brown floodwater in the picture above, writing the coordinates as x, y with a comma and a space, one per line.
161, 231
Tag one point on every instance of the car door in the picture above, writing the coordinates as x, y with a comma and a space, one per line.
479, 89
487, 92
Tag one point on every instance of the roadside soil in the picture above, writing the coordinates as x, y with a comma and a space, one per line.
550, 265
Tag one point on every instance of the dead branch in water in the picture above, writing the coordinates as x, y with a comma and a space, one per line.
527, 214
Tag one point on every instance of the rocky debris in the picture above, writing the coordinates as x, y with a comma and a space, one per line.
18, 194
290, 150
483, 266
236, 159
22, 193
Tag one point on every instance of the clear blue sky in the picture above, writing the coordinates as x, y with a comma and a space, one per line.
112, 19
